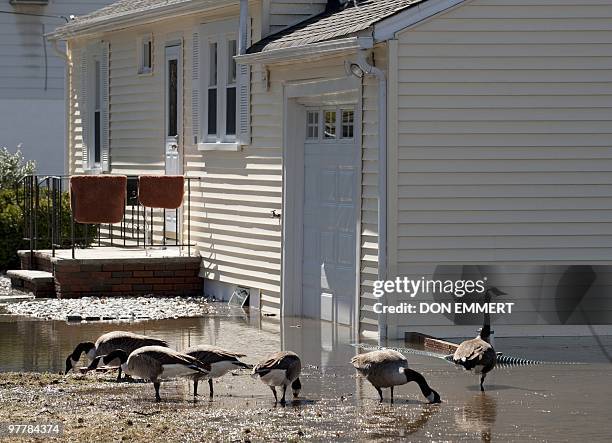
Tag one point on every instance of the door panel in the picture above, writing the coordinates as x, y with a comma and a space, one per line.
173, 74
330, 223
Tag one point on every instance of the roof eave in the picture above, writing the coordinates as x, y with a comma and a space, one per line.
136, 18
302, 52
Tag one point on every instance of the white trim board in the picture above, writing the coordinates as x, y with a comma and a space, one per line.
293, 181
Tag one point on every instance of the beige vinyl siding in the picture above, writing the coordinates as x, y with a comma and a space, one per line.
136, 104
284, 13
26, 72
505, 136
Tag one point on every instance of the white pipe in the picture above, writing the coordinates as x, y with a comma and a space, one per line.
382, 176
243, 28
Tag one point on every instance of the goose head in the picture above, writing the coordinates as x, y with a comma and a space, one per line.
105, 360
297, 387
434, 397
73, 359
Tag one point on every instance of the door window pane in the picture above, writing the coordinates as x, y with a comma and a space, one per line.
172, 97
348, 123
330, 124
230, 114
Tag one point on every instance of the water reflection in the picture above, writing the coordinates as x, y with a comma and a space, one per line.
478, 416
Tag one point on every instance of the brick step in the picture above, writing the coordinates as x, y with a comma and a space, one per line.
39, 283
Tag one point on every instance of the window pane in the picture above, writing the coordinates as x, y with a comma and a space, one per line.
97, 78
348, 123
330, 124
312, 124
231, 63
230, 117
213, 64
172, 97
212, 112
146, 55
97, 136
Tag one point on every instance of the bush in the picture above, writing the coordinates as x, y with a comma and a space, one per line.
13, 167
13, 229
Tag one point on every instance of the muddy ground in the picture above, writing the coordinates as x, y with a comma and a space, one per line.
96, 407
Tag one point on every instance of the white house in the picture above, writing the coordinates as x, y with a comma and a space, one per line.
32, 78
476, 133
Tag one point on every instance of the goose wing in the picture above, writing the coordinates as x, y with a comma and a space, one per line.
128, 341
158, 355
211, 354
471, 353
287, 360
369, 360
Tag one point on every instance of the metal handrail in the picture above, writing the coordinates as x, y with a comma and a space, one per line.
130, 230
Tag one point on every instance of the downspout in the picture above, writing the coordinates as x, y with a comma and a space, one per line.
242, 27
369, 69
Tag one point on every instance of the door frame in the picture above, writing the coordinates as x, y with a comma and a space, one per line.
180, 98
297, 97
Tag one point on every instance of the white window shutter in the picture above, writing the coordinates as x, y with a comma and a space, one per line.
105, 136
195, 89
244, 98
83, 110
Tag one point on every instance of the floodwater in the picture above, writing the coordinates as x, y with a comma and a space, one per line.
527, 403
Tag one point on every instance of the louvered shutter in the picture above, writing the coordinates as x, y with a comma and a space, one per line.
105, 136
83, 110
244, 98
195, 89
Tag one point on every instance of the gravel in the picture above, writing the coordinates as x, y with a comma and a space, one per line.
112, 308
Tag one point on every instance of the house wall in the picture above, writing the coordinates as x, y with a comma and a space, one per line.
32, 81
232, 202
505, 155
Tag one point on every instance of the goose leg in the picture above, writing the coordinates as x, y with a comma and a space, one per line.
284, 392
274, 392
210, 386
195, 387
380, 394
391, 394
482, 379
119, 375
156, 386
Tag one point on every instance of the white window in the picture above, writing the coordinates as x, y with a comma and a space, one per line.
145, 55
330, 124
93, 107
220, 98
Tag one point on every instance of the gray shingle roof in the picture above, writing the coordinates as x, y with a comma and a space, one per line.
332, 24
116, 10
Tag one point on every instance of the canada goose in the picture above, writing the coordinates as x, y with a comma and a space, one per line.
220, 361
155, 363
280, 369
106, 343
387, 369
478, 353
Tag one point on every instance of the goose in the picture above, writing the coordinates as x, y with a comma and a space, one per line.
220, 361
106, 343
155, 363
387, 368
280, 369
478, 353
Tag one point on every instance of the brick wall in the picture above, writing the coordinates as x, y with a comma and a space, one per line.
162, 277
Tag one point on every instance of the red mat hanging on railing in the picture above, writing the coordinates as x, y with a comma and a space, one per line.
97, 199
161, 191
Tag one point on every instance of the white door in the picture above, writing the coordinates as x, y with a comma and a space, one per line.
173, 115
329, 274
